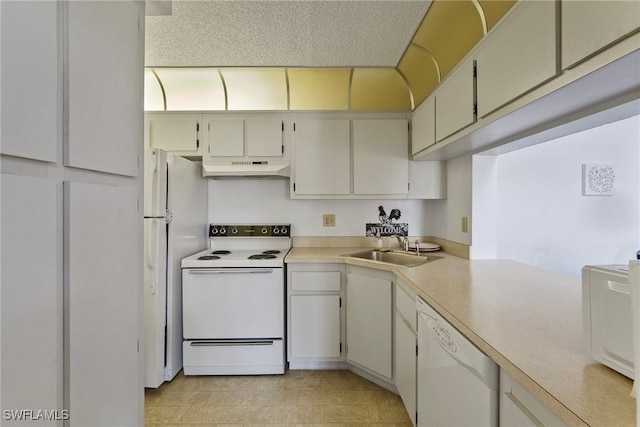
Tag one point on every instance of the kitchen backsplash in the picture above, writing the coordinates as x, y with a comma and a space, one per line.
267, 201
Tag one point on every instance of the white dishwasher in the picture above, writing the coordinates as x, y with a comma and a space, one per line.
458, 385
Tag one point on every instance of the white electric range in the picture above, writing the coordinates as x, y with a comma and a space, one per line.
233, 299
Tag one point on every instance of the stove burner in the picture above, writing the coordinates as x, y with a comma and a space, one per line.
271, 252
262, 256
221, 252
208, 257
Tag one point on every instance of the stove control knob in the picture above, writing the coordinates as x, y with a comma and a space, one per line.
264, 230
283, 231
234, 230
223, 231
276, 230
213, 231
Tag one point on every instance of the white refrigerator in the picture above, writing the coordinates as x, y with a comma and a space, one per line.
175, 226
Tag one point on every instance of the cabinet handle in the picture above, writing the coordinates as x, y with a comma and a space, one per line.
230, 343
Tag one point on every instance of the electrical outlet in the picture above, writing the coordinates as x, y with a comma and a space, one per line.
465, 224
329, 220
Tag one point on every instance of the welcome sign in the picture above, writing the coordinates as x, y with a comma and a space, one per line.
386, 226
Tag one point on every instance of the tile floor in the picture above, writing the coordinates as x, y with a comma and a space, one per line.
298, 398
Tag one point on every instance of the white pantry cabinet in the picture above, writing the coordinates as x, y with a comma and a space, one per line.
455, 101
321, 157
518, 407
423, 125
104, 88
380, 157
178, 133
590, 26
370, 320
315, 320
31, 294
30, 79
519, 55
103, 285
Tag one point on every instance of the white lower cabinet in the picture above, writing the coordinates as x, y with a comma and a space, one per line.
406, 345
315, 315
370, 321
518, 407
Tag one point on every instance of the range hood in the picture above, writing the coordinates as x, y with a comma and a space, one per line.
246, 169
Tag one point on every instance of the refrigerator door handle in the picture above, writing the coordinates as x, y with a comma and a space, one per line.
150, 245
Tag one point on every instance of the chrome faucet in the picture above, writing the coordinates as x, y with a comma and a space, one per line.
403, 242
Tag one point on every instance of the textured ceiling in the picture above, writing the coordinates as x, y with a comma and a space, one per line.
283, 33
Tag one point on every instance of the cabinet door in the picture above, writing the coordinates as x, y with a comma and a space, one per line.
103, 289
518, 56
225, 137
104, 72
174, 132
29, 79
31, 294
423, 126
406, 365
380, 157
369, 320
315, 326
322, 157
264, 137
589, 26
455, 99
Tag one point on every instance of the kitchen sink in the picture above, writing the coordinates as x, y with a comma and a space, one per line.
398, 258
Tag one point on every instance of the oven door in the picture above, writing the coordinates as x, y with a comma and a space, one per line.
232, 303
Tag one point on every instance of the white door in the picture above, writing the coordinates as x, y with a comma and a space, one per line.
155, 299
103, 288
264, 137
30, 79
369, 323
31, 295
105, 78
233, 303
455, 100
380, 156
225, 137
177, 132
315, 326
322, 157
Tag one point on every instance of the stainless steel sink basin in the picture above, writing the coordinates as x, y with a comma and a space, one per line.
397, 258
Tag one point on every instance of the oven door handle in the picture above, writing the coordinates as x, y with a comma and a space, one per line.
230, 343
229, 271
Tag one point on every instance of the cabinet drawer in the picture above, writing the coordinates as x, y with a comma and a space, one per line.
315, 281
219, 357
406, 305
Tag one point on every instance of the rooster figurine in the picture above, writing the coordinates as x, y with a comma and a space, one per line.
386, 219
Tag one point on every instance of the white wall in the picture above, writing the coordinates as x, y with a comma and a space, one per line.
542, 218
444, 217
267, 201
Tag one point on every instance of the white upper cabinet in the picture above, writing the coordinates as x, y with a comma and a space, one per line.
423, 125
104, 72
519, 55
380, 156
455, 101
244, 137
589, 26
29, 79
225, 137
178, 133
264, 137
322, 157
